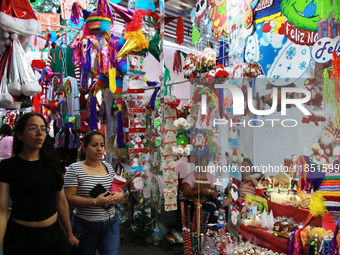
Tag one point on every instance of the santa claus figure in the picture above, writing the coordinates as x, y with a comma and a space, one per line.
318, 158
234, 159
327, 138
133, 63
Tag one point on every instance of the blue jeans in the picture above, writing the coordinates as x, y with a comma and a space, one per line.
101, 235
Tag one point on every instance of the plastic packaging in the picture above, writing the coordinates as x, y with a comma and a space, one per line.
155, 235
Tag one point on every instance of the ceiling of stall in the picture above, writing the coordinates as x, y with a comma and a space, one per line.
176, 8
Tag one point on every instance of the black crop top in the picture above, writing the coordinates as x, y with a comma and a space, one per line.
32, 187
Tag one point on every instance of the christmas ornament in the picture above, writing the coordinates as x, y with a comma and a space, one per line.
18, 17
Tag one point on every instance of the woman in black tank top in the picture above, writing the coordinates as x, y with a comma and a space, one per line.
33, 179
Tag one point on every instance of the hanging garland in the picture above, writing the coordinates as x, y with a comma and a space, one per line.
331, 88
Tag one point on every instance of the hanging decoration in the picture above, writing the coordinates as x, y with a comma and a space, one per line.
98, 22
51, 39
17, 72
199, 16
66, 7
219, 19
331, 89
18, 17
311, 11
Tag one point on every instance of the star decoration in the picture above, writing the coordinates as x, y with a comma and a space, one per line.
277, 77
289, 67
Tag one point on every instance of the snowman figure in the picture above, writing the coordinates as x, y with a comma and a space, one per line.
138, 121
135, 162
138, 142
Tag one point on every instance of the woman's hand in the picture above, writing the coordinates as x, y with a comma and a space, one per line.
205, 192
73, 240
214, 194
102, 199
209, 192
114, 198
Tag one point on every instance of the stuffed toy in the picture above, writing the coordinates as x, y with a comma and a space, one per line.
207, 59
190, 66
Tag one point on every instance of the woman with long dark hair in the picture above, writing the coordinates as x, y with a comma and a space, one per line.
87, 187
249, 180
6, 141
33, 180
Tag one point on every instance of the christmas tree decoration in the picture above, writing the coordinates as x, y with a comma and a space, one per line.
195, 35
142, 225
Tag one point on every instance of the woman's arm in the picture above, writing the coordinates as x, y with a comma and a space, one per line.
188, 191
64, 216
4, 199
254, 181
214, 194
77, 201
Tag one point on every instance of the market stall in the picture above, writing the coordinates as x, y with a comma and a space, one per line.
252, 98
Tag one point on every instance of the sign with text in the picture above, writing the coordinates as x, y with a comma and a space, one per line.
298, 36
263, 5
323, 49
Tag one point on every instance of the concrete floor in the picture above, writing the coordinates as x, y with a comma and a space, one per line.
162, 248
128, 249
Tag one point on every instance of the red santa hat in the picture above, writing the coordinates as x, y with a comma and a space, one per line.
234, 153
18, 17
329, 128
